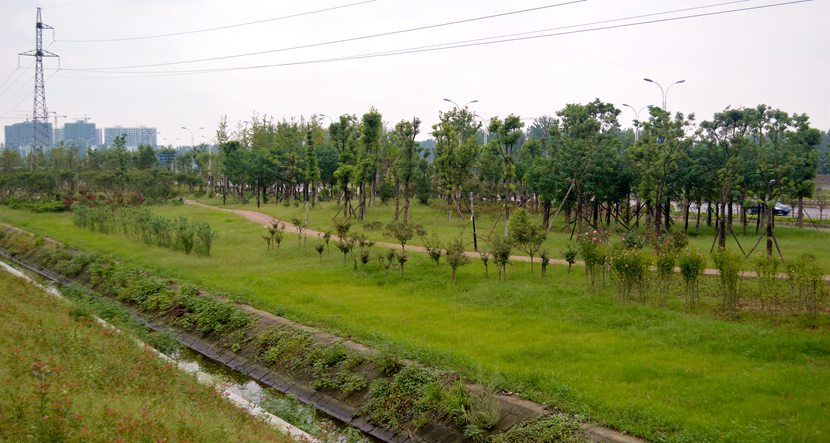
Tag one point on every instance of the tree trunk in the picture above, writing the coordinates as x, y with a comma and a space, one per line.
800, 211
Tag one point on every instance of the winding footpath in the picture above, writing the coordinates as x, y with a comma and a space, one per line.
265, 219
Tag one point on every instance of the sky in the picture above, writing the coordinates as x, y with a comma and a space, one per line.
524, 57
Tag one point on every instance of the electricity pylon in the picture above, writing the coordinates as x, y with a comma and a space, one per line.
40, 118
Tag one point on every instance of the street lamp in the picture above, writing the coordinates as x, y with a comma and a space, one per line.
192, 138
456, 104
636, 117
86, 140
666, 92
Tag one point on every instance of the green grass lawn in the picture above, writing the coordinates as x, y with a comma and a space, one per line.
650, 371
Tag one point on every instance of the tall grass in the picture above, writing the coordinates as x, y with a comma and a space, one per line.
68, 379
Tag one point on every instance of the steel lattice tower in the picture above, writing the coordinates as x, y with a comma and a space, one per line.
40, 127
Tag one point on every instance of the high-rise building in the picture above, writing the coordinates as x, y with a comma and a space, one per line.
141, 135
19, 136
82, 134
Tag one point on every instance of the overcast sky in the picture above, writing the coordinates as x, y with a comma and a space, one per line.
556, 53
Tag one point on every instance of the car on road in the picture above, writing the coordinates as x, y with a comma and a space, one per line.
780, 209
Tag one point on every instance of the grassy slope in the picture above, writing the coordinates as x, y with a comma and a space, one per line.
650, 371
68, 379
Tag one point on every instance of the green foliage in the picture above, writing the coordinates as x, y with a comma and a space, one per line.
808, 287
456, 257
593, 248
401, 401
525, 235
728, 265
142, 225
500, 248
402, 232
629, 269
569, 253
295, 350
476, 409
550, 428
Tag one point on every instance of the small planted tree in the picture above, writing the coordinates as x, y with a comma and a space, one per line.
300, 229
434, 250
345, 246
569, 253
456, 257
402, 259
268, 238
525, 235
402, 232
342, 228
386, 261
545, 257
365, 254
500, 248
327, 238
278, 233
692, 266
485, 258
320, 247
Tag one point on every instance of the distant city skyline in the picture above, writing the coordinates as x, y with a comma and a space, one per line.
172, 65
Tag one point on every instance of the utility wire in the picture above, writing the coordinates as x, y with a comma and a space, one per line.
220, 27
16, 38
430, 49
17, 79
26, 97
385, 34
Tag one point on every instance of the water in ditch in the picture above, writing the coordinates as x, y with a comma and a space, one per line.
322, 426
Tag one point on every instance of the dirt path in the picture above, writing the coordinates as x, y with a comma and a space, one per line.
266, 219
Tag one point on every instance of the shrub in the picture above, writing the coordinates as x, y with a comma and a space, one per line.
728, 265
692, 266
629, 268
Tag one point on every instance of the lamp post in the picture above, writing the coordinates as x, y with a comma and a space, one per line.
456, 104
637, 118
86, 140
666, 92
192, 137
326, 116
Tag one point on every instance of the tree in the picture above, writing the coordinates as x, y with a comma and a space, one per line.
456, 256
455, 153
527, 236
434, 250
582, 145
508, 133
403, 232
404, 138
500, 248
312, 170
662, 144
146, 157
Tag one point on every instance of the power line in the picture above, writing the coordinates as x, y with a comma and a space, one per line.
220, 27
431, 48
22, 73
421, 28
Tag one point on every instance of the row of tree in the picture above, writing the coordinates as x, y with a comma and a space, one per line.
579, 161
